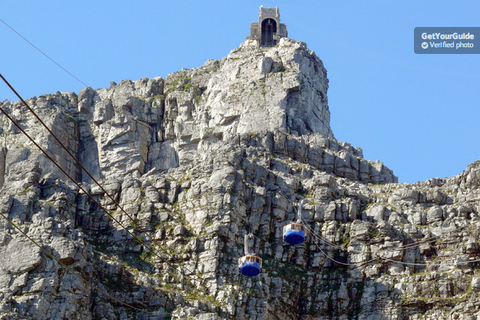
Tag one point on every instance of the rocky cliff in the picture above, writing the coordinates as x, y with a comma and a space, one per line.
198, 160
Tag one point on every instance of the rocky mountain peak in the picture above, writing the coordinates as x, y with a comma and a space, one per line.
200, 159
253, 91
261, 89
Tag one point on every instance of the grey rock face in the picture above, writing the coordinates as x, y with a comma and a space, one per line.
20, 256
198, 160
258, 90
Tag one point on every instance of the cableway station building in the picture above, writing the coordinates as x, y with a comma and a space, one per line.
268, 30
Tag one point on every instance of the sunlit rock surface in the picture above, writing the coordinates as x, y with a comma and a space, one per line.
201, 158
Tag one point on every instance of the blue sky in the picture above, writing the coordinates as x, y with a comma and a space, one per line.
418, 114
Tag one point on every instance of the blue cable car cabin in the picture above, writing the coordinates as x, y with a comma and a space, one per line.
250, 265
294, 233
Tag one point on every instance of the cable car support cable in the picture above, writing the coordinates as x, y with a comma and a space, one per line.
18, 33
73, 180
78, 275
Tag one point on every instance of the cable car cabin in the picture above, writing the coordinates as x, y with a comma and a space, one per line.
294, 233
250, 265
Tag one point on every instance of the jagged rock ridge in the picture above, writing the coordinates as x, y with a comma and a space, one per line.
203, 157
